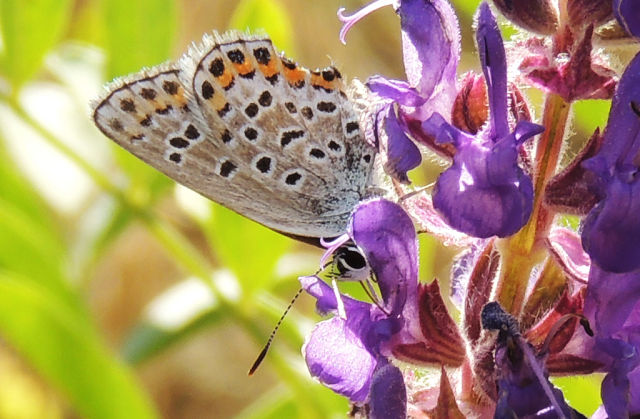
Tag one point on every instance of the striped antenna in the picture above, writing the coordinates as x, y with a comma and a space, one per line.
264, 351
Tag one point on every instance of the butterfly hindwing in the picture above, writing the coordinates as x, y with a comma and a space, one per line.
249, 129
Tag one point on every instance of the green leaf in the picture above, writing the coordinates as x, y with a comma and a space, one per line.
281, 402
250, 250
30, 240
278, 402
147, 339
267, 15
65, 350
27, 246
29, 29
14, 188
138, 33
91, 250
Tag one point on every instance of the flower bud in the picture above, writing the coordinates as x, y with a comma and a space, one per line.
470, 108
537, 16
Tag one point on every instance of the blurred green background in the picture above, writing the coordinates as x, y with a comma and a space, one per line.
121, 294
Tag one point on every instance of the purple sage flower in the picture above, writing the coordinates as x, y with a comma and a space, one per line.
523, 387
611, 231
628, 14
431, 50
612, 305
485, 193
350, 354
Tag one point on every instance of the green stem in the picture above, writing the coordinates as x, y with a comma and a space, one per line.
522, 251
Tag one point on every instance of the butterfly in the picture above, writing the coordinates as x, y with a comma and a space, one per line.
238, 122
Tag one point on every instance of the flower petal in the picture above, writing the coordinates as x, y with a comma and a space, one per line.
338, 358
628, 14
611, 233
326, 297
431, 44
402, 154
445, 133
397, 90
388, 397
494, 66
429, 220
610, 300
484, 192
565, 247
523, 387
386, 235
349, 20
612, 305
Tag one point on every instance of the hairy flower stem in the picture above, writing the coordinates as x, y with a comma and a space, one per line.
521, 252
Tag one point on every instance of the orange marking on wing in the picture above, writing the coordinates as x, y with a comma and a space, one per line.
225, 79
268, 69
318, 80
179, 97
218, 101
294, 76
244, 68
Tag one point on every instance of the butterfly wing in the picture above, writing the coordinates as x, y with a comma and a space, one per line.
249, 129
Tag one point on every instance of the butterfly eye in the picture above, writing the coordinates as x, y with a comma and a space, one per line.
351, 263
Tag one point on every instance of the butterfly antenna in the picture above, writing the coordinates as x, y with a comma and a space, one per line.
264, 350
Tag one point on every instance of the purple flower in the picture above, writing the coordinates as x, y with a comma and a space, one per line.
401, 154
611, 231
485, 193
431, 50
628, 14
523, 387
349, 354
612, 305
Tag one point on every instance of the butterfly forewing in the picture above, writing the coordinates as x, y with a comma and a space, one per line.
249, 129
